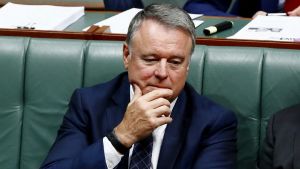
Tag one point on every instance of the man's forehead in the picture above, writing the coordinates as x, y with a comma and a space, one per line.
156, 28
151, 30
152, 22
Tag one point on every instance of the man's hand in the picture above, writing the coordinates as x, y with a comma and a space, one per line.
144, 114
295, 12
259, 13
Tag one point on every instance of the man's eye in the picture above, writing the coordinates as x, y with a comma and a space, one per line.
150, 60
175, 62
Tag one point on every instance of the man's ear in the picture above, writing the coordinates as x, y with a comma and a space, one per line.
126, 55
188, 66
187, 69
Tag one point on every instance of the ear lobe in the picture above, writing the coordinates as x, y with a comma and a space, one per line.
125, 55
187, 70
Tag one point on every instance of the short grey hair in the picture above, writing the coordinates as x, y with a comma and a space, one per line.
168, 15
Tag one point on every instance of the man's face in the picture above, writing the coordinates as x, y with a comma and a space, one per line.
158, 57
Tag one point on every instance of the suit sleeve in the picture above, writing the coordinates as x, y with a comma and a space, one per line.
206, 8
72, 148
266, 159
219, 148
121, 5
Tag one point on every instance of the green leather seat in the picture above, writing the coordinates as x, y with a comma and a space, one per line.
38, 77
53, 70
232, 77
12, 65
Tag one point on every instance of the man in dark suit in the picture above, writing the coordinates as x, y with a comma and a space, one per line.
222, 7
242, 8
121, 5
281, 149
107, 124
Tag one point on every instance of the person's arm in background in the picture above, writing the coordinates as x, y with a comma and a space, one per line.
121, 5
295, 12
259, 13
207, 8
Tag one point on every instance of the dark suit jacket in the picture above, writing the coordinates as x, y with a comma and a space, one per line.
202, 134
245, 8
121, 5
281, 149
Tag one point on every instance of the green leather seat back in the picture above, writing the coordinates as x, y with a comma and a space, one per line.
53, 70
195, 75
232, 77
102, 66
281, 83
12, 60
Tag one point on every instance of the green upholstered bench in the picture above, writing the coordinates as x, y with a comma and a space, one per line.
38, 77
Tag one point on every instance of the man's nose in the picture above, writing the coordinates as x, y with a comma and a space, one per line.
162, 71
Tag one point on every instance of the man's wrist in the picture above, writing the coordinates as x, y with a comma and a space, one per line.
112, 137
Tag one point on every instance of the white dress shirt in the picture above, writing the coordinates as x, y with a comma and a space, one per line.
113, 157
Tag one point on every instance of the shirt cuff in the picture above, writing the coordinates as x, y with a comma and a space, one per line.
112, 156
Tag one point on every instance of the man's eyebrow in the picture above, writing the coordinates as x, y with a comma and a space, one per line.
148, 55
177, 57
158, 56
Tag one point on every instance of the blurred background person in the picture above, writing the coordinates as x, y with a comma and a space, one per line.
222, 7
242, 8
281, 148
290, 7
121, 5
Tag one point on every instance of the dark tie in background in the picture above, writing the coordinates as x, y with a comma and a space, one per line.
142, 153
290, 5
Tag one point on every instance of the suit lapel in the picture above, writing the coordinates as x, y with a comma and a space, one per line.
116, 109
174, 135
117, 106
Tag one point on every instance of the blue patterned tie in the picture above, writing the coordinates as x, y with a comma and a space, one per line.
142, 153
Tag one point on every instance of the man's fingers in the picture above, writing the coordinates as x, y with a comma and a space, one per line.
159, 102
163, 120
158, 93
161, 111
